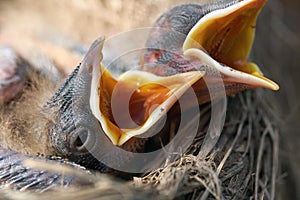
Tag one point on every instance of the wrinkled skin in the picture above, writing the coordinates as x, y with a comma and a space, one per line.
180, 20
13, 172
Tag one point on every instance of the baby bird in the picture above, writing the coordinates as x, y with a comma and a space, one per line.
203, 47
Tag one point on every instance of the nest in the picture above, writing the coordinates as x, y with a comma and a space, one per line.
242, 165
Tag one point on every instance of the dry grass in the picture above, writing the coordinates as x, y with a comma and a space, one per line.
243, 165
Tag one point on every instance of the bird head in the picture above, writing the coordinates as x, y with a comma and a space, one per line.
215, 38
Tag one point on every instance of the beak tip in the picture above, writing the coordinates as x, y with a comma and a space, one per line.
269, 84
275, 87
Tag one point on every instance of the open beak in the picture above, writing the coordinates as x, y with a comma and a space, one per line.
223, 40
135, 102
132, 104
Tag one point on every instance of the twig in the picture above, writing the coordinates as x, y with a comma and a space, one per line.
206, 193
259, 160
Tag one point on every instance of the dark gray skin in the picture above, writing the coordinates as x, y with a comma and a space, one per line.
180, 20
76, 133
15, 174
75, 125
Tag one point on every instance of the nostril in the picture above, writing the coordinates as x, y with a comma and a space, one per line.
81, 140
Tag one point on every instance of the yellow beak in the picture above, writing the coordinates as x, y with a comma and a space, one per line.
135, 102
227, 35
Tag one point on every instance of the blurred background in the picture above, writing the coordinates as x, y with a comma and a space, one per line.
58, 32
277, 49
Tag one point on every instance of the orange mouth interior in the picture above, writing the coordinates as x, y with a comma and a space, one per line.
227, 35
137, 100
142, 101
